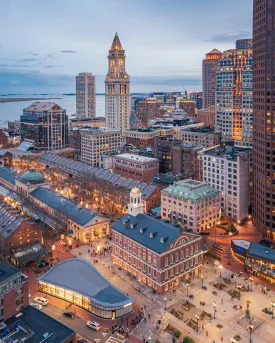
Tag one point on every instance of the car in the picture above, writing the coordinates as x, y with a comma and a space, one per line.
81, 340
94, 325
36, 305
40, 300
69, 314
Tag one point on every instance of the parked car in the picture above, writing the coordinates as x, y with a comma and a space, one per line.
40, 300
69, 314
94, 325
81, 340
36, 305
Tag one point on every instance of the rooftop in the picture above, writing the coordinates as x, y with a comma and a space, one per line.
98, 131
32, 176
82, 277
36, 326
41, 106
7, 271
199, 130
63, 205
75, 168
190, 190
136, 158
227, 152
154, 234
8, 175
261, 252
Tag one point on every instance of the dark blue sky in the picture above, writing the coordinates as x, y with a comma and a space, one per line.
44, 44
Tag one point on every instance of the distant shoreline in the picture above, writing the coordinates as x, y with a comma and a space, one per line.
3, 100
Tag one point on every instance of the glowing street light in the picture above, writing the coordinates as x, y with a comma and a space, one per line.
220, 267
165, 304
250, 328
198, 318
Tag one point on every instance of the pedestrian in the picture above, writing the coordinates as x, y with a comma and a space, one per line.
206, 333
202, 327
221, 339
149, 315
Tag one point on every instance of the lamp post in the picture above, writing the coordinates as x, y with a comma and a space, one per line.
272, 306
250, 328
165, 304
251, 279
53, 249
239, 288
187, 285
202, 281
220, 267
214, 305
198, 318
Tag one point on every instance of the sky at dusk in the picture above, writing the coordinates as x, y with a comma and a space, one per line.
44, 44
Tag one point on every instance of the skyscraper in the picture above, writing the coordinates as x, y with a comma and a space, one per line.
117, 89
244, 43
46, 124
209, 67
85, 95
234, 95
264, 117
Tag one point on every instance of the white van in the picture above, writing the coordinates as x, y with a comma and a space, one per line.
40, 300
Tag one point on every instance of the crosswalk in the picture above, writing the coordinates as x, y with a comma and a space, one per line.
116, 339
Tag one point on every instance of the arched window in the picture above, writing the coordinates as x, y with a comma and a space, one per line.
166, 261
196, 248
191, 250
171, 259
177, 257
181, 255
186, 252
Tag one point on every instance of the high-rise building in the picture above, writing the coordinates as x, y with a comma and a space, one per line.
147, 110
117, 89
244, 43
46, 124
209, 67
263, 118
85, 95
97, 142
234, 95
197, 97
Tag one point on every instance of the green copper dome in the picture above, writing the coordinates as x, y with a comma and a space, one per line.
32, 176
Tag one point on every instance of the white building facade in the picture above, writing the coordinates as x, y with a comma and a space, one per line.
229, 169
191, 203
97, 142
117, 89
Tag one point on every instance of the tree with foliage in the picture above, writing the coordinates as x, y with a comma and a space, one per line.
188, 339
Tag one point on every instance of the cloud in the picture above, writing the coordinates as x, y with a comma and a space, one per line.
68, 51
26, 60
167, 80
53, 66
51, 56
230, 36
31, 53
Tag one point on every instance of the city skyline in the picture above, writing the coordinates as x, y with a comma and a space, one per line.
47, 58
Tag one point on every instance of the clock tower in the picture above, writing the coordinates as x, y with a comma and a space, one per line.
117, 89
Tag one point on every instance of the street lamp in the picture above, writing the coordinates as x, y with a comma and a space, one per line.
272, 305
187, 285
214, 305
251, 279
220, 267
198, 318
250, 328
53, 249
202, 281
165, 304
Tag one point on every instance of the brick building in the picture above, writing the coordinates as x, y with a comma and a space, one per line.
143, 138
205, 136
14, 291
147, 110
166, 154
206, 116
4, 137
137, 167
157, 253
188, 106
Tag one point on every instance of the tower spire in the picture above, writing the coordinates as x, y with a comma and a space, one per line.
116, 45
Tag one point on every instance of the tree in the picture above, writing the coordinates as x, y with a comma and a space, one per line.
188, 339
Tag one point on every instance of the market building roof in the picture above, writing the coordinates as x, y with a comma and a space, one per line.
8, 175
261, 252
81, 276
79, 170
28, 252
154, 234
64, 206
190, 190
32, 176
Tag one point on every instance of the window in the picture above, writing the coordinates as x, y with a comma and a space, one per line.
196, 248
171, 259
166, 261
177, 257
186, 252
